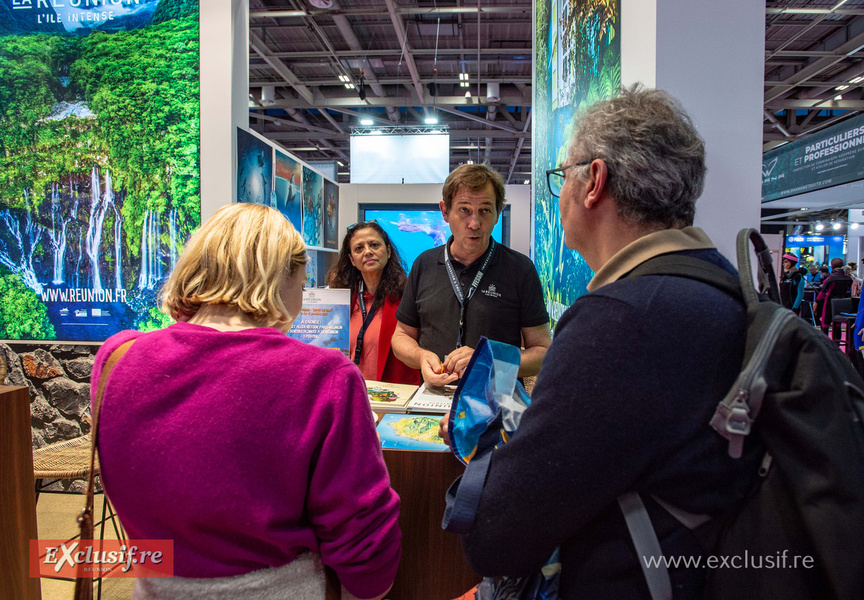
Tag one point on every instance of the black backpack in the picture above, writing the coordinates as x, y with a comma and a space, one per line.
801, 396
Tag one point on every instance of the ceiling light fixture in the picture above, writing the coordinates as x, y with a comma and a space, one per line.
819, 227
366, 121
858, 79
838, 97
853, 226
837, 226
321, 3
840, 88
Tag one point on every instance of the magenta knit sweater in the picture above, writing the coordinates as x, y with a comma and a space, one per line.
247, 448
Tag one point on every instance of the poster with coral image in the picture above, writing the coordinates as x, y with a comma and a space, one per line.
99, 170
288, 186
331, 214
577, 49
313, 193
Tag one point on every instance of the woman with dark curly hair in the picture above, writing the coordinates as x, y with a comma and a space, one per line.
370, 266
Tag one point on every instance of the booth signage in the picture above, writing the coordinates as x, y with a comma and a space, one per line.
831, 157
815, 240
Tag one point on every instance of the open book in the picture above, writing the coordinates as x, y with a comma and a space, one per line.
432, 399
389, 397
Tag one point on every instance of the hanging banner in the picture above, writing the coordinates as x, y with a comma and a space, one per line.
99, 174
577, 50
830, 157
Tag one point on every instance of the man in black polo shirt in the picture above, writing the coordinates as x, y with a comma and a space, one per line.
470, 287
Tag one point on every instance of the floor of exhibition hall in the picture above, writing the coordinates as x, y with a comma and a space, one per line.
55, 515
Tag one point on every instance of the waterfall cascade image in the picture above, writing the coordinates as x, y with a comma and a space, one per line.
99, 174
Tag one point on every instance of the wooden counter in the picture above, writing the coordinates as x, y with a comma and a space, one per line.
433, 566
17, 496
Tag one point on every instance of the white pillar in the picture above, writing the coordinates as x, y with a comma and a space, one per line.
224, 97
710, 56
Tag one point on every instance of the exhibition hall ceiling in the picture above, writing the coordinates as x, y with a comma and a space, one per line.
468, 64
814, 72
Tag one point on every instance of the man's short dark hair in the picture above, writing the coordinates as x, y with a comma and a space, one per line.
473, 177
654, 155
836, 263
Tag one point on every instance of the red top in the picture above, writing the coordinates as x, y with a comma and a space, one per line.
387, 367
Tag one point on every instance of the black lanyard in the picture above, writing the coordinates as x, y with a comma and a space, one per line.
367, 320
464, 299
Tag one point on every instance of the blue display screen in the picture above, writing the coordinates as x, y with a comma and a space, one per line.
415, 228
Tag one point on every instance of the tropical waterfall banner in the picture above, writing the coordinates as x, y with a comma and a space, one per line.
99, 162
577, 50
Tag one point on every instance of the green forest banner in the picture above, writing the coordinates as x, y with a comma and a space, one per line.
577, 51
99, 162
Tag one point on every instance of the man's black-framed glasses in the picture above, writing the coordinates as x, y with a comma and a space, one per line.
555, 177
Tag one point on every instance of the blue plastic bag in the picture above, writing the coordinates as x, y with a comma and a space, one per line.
486, 411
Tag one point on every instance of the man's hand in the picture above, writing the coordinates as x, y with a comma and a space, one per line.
433, 371
443, 433
456, 361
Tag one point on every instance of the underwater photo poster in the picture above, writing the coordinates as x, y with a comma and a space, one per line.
577, 62
100, 170
313, 198
254, 169
331, 215
289, 188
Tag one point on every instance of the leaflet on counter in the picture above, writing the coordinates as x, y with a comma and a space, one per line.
433, 399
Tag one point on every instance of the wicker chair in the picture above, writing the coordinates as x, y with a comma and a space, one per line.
70, 459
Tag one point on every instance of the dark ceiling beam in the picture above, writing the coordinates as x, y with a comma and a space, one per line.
355, 102
828, 104
807, 84
282, 122
281, 68
402, 36
455, 134
519, 144
849, 47
487, 52
472, 117
776, 123
814, 11
402, 10
812, 54
330, 81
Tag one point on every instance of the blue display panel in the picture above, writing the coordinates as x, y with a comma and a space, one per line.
415, 228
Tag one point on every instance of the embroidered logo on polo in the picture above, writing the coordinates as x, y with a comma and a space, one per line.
491, 291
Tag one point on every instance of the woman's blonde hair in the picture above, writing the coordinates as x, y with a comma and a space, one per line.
240, 257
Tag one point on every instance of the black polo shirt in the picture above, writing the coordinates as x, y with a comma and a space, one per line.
508, 298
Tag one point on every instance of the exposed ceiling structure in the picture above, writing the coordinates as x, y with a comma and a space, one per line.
309, 60
814, 66
412, 60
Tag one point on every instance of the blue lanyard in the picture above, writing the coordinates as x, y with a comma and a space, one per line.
463, 298
367, 320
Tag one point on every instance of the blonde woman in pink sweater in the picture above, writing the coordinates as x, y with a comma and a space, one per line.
255, 453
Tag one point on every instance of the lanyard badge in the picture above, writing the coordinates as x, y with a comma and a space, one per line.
367, 319
464, 298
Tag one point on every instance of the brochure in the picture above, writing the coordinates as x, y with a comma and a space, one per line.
324, 319
432, 399
411, 432
389, 397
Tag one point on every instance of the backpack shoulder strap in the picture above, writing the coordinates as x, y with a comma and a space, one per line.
680, 265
